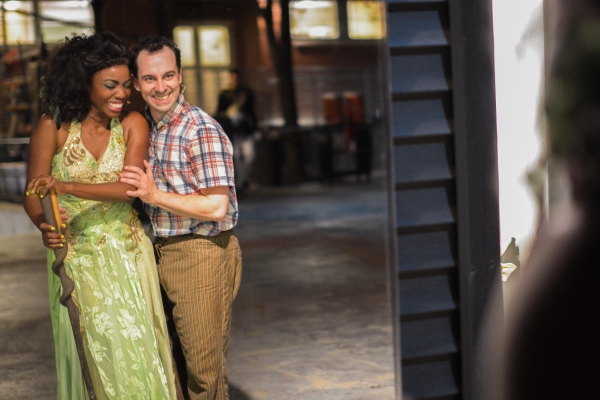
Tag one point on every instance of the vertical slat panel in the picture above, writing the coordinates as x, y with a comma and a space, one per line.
424, 198
433, 254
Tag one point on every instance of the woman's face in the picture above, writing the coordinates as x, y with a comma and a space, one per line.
111, 88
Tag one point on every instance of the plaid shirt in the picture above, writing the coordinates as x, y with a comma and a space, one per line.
189, 151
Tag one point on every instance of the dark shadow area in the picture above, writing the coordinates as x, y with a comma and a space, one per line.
237, 394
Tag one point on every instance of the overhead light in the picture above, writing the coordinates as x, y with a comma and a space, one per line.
307, 4
12, 5
319, 32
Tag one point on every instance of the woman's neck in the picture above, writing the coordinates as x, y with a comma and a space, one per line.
96, 122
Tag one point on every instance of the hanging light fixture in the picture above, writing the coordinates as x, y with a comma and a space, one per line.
12, 5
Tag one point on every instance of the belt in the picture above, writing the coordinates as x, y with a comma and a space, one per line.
160, 240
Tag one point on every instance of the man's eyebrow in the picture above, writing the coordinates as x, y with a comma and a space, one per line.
152, 76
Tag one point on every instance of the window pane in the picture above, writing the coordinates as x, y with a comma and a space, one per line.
210, 90
364, 20
184, 37
311, 19
214, 46
19, 27
79, 12
190, 81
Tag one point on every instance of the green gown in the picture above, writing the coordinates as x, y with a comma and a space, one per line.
111, 261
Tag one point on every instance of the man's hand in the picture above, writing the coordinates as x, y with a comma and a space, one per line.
142, 180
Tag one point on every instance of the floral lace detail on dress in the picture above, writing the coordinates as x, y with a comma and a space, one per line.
110, 260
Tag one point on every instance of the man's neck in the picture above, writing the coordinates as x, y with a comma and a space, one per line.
157, 116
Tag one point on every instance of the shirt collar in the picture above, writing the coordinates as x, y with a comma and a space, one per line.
171, 115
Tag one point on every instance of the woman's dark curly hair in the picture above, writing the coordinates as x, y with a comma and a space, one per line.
68, 75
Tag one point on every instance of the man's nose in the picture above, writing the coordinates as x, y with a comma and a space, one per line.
160, 86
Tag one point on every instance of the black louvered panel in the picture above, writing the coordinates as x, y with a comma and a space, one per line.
415, 1
417, 28
419, 73
426, 251
424, 161
424, 207
429, 337
428, 294
435, 379
418, 118
425, 198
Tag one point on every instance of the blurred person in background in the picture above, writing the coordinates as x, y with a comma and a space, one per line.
236, 114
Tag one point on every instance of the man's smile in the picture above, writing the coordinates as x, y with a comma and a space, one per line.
161, 97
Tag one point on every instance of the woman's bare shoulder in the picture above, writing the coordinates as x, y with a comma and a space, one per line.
134, 119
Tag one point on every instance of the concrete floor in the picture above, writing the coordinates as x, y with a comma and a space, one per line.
311, 320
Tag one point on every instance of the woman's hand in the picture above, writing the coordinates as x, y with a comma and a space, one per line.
50, 236
39, 186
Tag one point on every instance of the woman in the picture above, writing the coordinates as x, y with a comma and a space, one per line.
110, 259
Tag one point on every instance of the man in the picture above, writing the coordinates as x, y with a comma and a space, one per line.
237, 105
189, 194
235, 113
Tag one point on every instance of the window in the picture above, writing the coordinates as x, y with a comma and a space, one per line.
321, 20
312, 19
57, 20
56, 16
205, 62
364, 20
18, 25
214, 46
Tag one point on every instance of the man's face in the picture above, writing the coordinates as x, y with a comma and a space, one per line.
158, 81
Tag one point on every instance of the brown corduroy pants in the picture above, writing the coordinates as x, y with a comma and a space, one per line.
200, 276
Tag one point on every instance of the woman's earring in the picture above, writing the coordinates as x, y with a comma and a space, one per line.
182, 88
128, 102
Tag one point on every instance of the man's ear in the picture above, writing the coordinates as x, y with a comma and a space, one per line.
180, 76
136, 83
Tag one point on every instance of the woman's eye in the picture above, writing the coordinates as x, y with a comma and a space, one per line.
127, 85
109, 86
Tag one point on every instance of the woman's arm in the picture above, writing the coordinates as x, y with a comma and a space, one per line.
42, 148
135, 129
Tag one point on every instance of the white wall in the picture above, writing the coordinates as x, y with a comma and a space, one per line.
519, 54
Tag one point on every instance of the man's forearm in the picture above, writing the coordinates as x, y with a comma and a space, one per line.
197, 206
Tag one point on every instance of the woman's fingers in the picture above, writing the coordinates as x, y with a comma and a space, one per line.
53, 240
39, 186
34, 185
48, 183
44, 227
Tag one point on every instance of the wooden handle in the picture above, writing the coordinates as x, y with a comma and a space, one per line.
51, 212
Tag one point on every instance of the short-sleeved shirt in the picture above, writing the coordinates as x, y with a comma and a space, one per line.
189, 151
